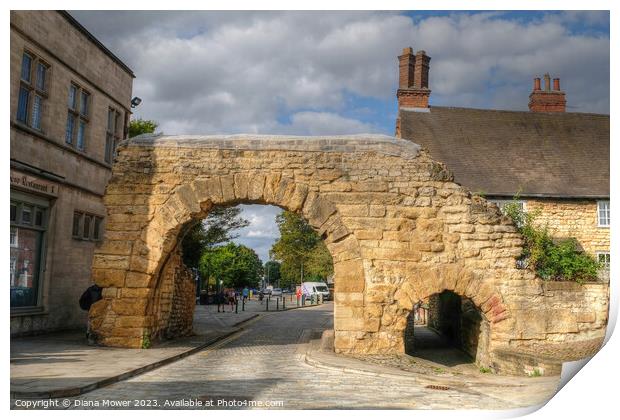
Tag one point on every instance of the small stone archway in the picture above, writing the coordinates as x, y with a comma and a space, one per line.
397, 227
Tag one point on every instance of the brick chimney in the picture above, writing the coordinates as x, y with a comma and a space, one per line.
413, 91
547, 100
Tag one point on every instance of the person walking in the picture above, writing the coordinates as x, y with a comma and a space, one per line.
221, 300
245, 293
232, 299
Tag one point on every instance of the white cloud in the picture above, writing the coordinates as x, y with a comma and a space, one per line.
223, 72
262, 231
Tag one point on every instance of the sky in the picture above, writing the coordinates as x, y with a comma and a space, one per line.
318, 73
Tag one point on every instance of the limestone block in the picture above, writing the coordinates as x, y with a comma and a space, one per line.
109, 277
350, 275
256, 187
241, 185
317, 210
228, 188
129, 306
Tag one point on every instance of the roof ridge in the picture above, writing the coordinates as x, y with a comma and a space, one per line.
516, 111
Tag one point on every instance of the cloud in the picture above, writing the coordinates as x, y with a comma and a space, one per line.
262, 231
294, 72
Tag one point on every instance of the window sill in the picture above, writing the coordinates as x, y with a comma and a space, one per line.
28, 310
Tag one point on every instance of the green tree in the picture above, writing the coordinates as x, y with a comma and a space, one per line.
302, 253
272, 272
234, 265
216, 229
140, 126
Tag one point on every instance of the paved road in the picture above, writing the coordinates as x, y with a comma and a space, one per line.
263, 364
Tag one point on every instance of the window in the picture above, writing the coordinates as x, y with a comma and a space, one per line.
86, 226
113, 134
77, 217
32, 91
28, 229
501, 204
603, 258
26, 67
603, 213
97, 229
77, 117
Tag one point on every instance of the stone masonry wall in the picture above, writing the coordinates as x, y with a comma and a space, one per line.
397, 227
572, 218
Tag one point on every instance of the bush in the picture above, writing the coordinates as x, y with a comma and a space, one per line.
551, 259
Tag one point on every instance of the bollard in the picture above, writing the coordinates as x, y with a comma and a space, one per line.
277, 304
237, 306
312, 299
303, 300
243, 305
283, 303
267, 307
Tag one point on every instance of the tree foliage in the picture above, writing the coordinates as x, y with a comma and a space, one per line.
300, 250
140, 126
234, 265
218, 228
551, 259
272, 272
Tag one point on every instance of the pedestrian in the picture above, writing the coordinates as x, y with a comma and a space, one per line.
261, 295
221, 300
232, 299
245, 293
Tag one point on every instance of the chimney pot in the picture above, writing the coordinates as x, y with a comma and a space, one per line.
547, 100
407, 50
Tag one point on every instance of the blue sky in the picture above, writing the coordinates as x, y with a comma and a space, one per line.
318, 73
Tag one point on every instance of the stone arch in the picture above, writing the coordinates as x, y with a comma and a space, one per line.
398, 228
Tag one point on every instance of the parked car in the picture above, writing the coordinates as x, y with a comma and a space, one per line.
276, 292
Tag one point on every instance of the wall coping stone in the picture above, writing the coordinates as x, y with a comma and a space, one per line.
387, 145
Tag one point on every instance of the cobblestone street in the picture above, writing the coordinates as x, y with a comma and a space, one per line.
266, 362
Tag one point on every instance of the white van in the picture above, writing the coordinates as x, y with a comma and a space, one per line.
310, 288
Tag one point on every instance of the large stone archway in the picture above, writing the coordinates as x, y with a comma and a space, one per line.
398, 229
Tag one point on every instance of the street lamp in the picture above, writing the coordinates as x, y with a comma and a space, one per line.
135, 101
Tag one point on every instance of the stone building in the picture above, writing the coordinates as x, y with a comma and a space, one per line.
70, 105
556, 162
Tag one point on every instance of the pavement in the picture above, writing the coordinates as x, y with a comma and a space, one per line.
63, 364
278, 361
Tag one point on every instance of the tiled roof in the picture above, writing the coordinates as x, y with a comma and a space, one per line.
504, 152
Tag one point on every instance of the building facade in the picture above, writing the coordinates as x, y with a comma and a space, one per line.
555, 162
70, 106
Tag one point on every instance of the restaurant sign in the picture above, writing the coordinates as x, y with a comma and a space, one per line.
33, 184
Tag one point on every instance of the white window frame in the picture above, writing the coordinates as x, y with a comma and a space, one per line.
500, 203
15, 237
598, 213
598, 256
